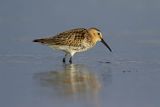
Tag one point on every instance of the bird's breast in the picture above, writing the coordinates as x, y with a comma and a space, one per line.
83, 47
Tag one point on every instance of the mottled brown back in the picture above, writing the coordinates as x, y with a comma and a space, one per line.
73, 37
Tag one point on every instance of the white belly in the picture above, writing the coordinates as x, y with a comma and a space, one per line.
69, 49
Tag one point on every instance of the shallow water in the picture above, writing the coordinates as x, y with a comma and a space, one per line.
45, 81
32, 75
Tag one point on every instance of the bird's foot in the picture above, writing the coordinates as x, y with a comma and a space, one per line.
64, 60
70, 60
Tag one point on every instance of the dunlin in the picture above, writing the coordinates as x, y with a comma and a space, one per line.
74, 40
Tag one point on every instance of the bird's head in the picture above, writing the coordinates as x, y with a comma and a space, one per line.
97, 36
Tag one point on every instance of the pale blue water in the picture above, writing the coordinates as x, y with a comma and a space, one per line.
32, 75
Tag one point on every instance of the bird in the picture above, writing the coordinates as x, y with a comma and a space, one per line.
74, 41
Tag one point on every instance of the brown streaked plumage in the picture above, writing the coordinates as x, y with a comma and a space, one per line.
74, 40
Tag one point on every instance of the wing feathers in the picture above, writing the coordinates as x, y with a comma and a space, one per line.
73, 37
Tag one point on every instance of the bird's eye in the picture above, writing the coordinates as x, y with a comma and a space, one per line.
98, 33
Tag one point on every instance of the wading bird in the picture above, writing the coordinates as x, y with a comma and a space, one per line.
74, 40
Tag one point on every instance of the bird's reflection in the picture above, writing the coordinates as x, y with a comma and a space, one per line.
73, 78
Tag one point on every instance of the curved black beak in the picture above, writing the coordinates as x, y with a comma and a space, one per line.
106, 44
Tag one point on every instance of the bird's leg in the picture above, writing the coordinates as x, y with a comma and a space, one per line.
71, 55
70, 60
64, 59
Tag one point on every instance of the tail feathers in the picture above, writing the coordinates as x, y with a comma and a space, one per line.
40, 40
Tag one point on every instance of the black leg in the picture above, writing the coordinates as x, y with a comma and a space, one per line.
70, 60
64, 59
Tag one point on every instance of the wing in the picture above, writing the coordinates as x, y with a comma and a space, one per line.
73, 37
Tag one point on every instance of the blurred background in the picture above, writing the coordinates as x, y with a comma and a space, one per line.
128, 26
